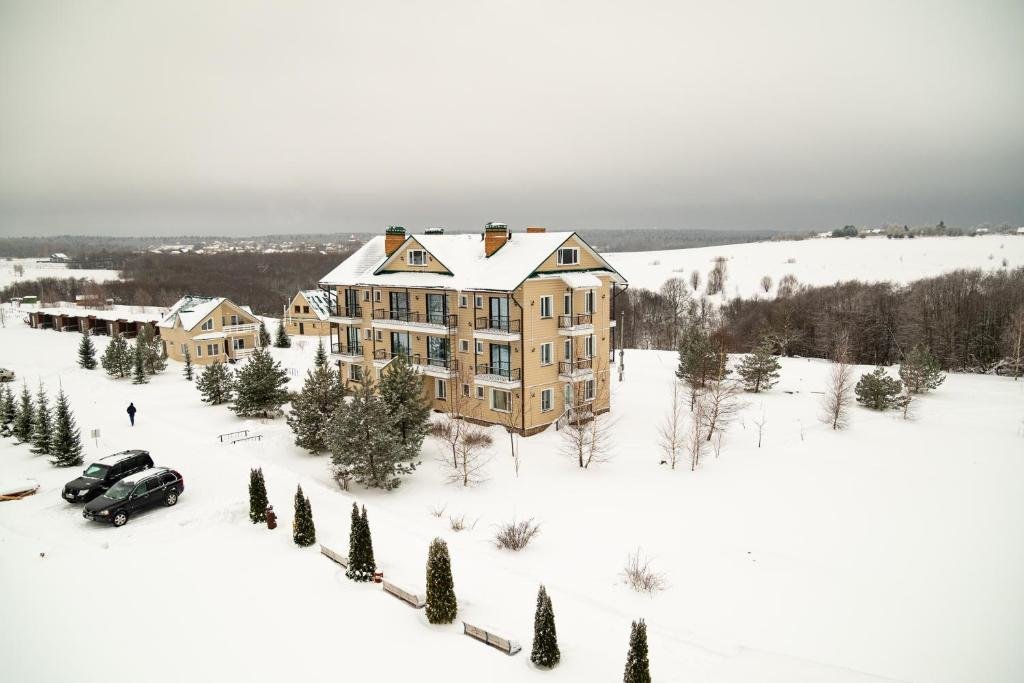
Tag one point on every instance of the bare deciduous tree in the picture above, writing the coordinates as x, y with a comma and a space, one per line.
672, 432
471, 455
766, 283
760, 423
717, 277
695, 441
787, 286
695, 280
721, 405
587, 437
836, 402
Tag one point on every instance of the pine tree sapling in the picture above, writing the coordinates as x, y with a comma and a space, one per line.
260, 386
187, 372
303, 531
87, 352
282, 341
759, 370
24, 416
257, 496
320, 359
920, 371
878, 391
8, 410
66, 444
545, 651
216, 384
442, 605
42, 424
361, 564
638, 668
139, 375
264, 335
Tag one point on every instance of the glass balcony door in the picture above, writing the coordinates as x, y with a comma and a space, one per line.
437, 308
498, 313
501, 360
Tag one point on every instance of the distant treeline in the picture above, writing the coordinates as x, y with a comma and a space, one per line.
970, 320
266, 282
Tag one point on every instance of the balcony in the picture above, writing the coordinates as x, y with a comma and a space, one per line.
576, 324
435, 367
238, 329
499, 376
571, 370
346, 315
349, 352
414, 320
497, 328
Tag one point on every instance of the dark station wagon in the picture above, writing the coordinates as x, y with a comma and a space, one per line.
104, 473
131, 495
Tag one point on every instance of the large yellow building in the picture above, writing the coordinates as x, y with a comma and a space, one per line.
211, 328
508, 328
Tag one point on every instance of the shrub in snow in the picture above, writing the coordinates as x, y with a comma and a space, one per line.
920, 371
361, 564
42, 424
312, 408
216, 384
260, 386
459, 523
516, 535
638, 668
545, 641
759, 370
24, 416
66, 444
87, 352
442, 605
257, 496
303, 531
878, 391
639, 574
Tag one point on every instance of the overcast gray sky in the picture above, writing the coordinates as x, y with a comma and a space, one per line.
130, 117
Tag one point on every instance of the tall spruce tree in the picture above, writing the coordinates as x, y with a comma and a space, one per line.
8, 410
154, 358
87, 352
309, 418
257, 496
117, 360
320, 359
364, 445
361, 564
42, 423
188, 371
638, 668
216, 384
921, 371
139, 375
759, 370
260, 386
878, 391
442, 606
264, 335
283, 341
24, 417
66, 444
545, 651
303, 530
404, 398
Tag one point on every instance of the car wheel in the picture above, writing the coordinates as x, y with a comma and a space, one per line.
120, 518
171, 499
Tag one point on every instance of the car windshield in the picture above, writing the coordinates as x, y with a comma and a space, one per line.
119, 491
96, 471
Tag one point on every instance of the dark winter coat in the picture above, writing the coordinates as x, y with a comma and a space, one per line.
131, 408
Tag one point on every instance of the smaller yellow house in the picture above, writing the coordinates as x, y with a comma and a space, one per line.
211, 328
308, 313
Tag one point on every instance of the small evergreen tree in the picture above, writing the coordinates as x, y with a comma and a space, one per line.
638, 668
24, 416
699, 360
139, 375
154, 354
442, 605
257, 496
759, 370
188, 365
303, 531
364, 445
878, 391
66, 444
8, 410
402, 392
116, 360
320, 359
545, 641
361, 564
920, 371
87, 352
260, 386
283, 341
264, 335
216, 384
311, 411
42, 424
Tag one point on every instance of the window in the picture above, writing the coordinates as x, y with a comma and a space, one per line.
479, 301
479, 392
501, 401
212, 349
568, 256
588, 301
588, 390
238, 343
546, 353
546, 303
479, 347
305, 309
297, 308
567, 303
368, 334
355, 373
184, 349
199, 350
376, 296
588, 347
440, 389
567, 349
547, 399
366, 295
380, 337
208, 325
417, 257
465, 390
464, 345
463, 301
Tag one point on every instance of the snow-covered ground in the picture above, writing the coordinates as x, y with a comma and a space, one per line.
890, 551
822, 261
33, 270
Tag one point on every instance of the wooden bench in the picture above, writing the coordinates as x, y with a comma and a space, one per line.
488, 635
331, 555
414, 599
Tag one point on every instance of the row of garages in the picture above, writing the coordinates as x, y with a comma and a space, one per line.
94, 321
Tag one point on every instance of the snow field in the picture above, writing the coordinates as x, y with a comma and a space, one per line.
33, 270
889, 551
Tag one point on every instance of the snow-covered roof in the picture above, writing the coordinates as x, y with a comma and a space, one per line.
129, 313
321, 302
208, 335
578, 279
462, 255
193, 309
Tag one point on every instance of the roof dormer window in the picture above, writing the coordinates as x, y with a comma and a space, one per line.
568, 256
417, 257
208, 325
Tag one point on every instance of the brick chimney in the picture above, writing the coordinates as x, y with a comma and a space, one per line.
495, 236
393, 238
536, 228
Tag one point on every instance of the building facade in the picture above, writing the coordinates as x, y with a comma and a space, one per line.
308, 313
213, 329
516, 329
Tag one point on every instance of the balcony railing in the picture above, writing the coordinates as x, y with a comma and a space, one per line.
343, 311
449, 320
450, 364
500, 323
503, 370
444, 363
244, 327
568, 367
346, 349
576, 320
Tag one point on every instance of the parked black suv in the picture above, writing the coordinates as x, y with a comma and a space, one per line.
133, 494
104, 473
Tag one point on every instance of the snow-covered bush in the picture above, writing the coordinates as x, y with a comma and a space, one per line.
515, 535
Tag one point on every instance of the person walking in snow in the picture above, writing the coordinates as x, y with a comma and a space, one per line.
131, 413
